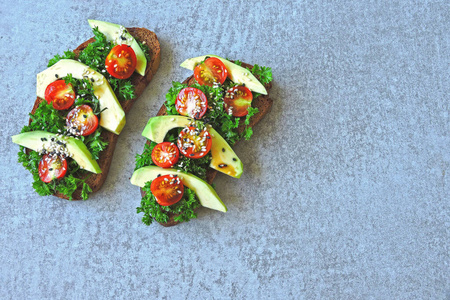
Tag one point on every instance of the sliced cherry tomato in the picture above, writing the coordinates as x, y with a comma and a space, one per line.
194, 143
237, 100
191, 102
61, 94
210, 71
165, 154
167, 189
81, 120
52, 167
121, 61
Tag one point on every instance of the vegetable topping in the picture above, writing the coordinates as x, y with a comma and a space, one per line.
165, 154
81, 120
167, 189
52, 167
61, 94
193, 142
211, 71
121, 61
191, 102
237, 101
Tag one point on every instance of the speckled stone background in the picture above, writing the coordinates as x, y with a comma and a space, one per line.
345, 193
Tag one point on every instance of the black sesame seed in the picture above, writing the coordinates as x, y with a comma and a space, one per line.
158, 175
223, 149
123, 38
52, 139
192, 154
85, 116
234, 159
56, 75
92, 79
50, 169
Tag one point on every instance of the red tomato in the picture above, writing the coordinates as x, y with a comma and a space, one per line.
210, 71
81, 120
52, 168
191, 102
61, 94
121, 61
167, 189
165, 154
237, 100
194, 143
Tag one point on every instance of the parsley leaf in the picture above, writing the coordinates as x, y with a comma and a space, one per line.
45, 118
183, 209
67, 55
145, 159
264, 73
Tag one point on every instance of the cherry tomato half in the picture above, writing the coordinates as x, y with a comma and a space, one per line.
61, 94
52, 168
237, 100
210, 71
121, 61
81, 120
167, 189
165, 154
194, 143
191, 102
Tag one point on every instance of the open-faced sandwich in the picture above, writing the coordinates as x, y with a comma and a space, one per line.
80, 109
190, 139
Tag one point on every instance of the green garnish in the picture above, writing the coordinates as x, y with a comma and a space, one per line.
184, 210
264, 73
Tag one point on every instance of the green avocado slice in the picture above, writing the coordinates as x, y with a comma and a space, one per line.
39, 140
119, 35
236, 73
112, 116
205, 193
224, 159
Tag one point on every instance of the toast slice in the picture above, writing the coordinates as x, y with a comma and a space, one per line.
95, 181
262, 102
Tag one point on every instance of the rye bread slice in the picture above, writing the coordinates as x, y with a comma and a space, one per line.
95, 181
262, 102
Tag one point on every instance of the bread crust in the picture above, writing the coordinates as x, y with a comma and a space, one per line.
95, 181
262, 102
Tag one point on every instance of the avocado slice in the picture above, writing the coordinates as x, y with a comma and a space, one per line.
205, 193
39, 140
119, 35
157, 127
223, 157
236, 73
223, 160
112, 117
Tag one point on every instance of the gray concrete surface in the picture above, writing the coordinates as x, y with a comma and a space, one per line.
345, 193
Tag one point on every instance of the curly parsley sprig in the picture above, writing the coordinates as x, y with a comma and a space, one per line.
184, 210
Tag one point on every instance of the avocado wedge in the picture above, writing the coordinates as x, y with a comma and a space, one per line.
112, 117
236, 73
119, 35
224, 159
205, 193
39, 140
